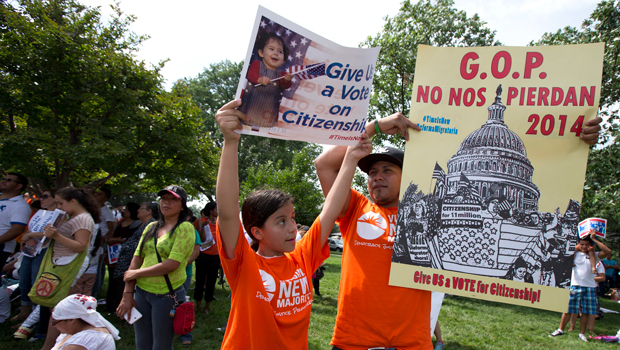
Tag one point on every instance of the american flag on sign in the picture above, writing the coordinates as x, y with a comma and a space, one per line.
438, 172
298, 46
465, 183
505, 205
308, 72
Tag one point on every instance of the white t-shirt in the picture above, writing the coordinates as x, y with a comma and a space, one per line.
582, 271
106, 216
13, 211
94, 262
90, 339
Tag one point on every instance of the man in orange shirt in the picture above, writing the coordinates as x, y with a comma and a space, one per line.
371, 313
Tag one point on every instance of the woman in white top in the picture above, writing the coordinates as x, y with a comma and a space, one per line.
81, 326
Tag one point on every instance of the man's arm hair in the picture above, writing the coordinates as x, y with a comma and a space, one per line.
605, 251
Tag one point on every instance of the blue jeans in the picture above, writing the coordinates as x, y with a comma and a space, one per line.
101, 269
154, 330
28, 271
188, 281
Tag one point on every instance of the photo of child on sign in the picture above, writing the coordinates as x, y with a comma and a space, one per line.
297, 85
272, 71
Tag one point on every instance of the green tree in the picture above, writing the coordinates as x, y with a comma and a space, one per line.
603, 25
136, 198
211, 89
298, 179
426, 22
601, 197
77, 108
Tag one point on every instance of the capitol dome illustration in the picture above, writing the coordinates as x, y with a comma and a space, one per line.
494, 160
481, 217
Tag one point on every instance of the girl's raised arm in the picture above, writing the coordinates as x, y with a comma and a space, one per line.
227, 190
338, 193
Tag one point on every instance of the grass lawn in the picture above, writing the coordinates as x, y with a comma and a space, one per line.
465, 323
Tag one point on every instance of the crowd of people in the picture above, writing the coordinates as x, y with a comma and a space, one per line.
268, 267
74, 252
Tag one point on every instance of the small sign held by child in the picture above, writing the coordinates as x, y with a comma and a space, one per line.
598, 225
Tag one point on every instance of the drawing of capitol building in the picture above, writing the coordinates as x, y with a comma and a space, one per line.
495, 161
482, 216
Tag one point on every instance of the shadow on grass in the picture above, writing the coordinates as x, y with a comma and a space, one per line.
326, 301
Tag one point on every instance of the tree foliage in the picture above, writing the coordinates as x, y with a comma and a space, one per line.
603, 25
77, 108
297, 179
211, 89
426, 22
601, 196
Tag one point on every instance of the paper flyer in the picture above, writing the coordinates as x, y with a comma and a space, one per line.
598, 225
37, 222
209, 241
491, 188
44, 217
296, 85
31, 247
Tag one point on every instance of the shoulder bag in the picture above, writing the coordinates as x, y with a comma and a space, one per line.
184, 317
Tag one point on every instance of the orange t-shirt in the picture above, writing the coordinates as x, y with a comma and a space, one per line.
371, 313
271, 297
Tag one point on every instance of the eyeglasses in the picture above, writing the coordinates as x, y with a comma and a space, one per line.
8, 179
45, 196
55, 322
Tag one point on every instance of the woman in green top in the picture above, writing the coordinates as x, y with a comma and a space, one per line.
175, 243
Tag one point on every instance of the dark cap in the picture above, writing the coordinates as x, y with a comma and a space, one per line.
386, 154
176, 191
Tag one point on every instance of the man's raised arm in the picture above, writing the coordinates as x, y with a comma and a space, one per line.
329, 162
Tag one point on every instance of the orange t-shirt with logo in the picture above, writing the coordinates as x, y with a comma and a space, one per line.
271, 297
371, 313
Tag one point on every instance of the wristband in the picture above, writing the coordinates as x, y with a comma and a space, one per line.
377, 127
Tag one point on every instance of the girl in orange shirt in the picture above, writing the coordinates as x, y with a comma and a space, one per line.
272, 287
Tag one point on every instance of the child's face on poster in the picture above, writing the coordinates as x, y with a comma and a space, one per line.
272, 54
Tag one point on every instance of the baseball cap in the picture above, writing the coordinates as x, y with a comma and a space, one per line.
176, 191
386, 154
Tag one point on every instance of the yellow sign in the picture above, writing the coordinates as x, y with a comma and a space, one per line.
491, 188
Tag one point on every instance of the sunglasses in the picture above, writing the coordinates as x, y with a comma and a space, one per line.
45, 196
